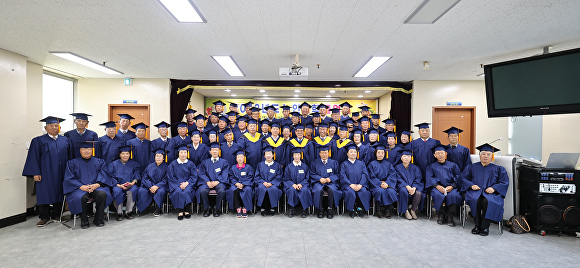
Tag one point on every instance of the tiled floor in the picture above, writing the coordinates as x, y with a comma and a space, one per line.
278, 241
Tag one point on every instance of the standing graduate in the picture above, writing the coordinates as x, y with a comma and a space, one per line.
154, 183
174, 142
324, 175
200, 122
223, 124
323, 111
390, 125
45, 162
335, 115
213, 175
251, 142
410, 185
85, 177
393, 152
355, 183
197, 150
332, 130
285, 119
228, 147
443, 176
241, 128
141, 147
80, 133
321, 140
345, 110
364, 151
296, 183
405, 137
339, 152
109, 143
163, 140
423, 148
212, 135
270, 114
124, 132
190, 119
485, 185
456, 152
278, 143
376, 123
126, 173
255, 113
264, 128
181, 179
233, 107
305, 117
248, 108
356, 119
241, 194
267, 180
301, 142
383, 182
232, 118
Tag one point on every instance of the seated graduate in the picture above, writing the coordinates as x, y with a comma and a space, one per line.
213, 175
154, 183
83, 180
486, 185
125, 172
393, 152
410, 184
355, 183
296, 183
181, 178
241, 193
324, 175
198, 151
443, 176
383, 181
267, 180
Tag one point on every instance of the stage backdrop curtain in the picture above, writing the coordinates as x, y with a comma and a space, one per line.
401, 109
180, 95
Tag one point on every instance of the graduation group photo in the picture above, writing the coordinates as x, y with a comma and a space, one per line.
192, 133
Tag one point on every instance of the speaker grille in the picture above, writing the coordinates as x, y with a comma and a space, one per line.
550, 214
572, 215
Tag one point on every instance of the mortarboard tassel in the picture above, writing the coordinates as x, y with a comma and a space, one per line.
410, 138
412, 160
93, 148
220, 153
145, 132
387, 154
188, 153
395, 129
458, 137
131, 154
166, 157
378, 137
274, 155
244, 159
301, 155
357, 155
396, 140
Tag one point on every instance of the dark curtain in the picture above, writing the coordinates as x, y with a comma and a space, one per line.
178, 102
401, 109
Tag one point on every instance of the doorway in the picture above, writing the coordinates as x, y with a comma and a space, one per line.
462, 117
139, 111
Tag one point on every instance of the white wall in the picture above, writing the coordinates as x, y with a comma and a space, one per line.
13, 145
33, 114
385, 106
94, 95
427, 94
197, 101
560, 134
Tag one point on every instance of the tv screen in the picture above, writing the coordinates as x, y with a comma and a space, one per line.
539, 85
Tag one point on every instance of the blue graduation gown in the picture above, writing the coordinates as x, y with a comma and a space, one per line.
80, 172
122, 173
153, 175
338, 150
489, 176
326, 119
410, 176
191, 128
109, 148
320, 142
77, 138
126, 137
159, 143
319, 170
176, 174
446, 174
47, 157
307, 150
355, 173
228, 152
394, 155
245, 176
298, 175
280, 149
253, 148
198, 155
285, 121
172, 154
142, 152
271, 174
238, 133
366, 154
306, 120
380, 172
459, 155
209, 171
423, 154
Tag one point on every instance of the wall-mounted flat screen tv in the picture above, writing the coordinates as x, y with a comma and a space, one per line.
538, 85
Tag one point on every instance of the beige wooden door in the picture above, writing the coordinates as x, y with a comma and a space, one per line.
139, 111
462, 117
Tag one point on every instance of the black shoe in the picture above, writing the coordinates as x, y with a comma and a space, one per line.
450, 221
304, 215
186, 215
217, 213
440, 219
119, 217
475, 230
129, 216
84, 225
329, 214
100, 224
379, 213
272, 212
352, 214
484, 232
157, 213
264, 213
180, 217
387, 213
207, 212
360, 212
320, 214
291, 213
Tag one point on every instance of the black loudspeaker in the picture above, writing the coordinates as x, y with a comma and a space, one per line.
553, 212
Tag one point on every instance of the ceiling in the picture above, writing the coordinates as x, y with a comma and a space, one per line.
142, 40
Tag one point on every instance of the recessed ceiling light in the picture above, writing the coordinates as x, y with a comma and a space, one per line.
337, 85
265, 95
360, 96
262, 91
297, 90
229, 65
332, 91
182, 10
227, 90
233, 95
372, 65
367, 91
296, 96
430, 11
86, 62
328, 96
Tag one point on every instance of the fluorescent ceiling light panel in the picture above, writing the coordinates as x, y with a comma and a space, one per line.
372, 65
229, 65
430, 11
86, 62
182, 10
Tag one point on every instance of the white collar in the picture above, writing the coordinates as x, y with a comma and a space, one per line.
195, 146
297, 165
269, 164
53, 137
163, 139
324, 160
183, 138
216, 159
351, 160
81, 133
179, 161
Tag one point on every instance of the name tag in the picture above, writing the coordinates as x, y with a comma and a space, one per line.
329, 170
300, 171
243, 173
272, 171
218, 169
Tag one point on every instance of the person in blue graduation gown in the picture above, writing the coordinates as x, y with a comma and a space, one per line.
109, 144
228, 147
223, 124
197, 150
163, 140
324, 177
338, 149
241, 128
126, 173
181, 179
213, 175
322, 139
305, 117
80, 133
241, 194
267, 180
456, 152
180, 139
442, 176
355, 183
124, 132
410, 184
264, 128
153, 183
345, 110
45, 162
405, 139
85, 177
296, 183
364, 150
251, 142
301, 142
393, 152
190, 119
285, 119
141, 147
485, 185
423, 149
278, 143
376, 123
323, 111
383, 182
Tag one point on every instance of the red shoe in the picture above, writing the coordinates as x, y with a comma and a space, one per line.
244, 213
239, 212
